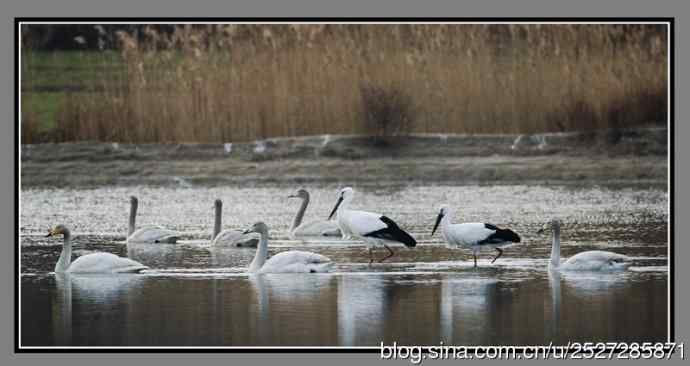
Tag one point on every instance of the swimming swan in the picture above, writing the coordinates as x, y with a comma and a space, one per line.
312, 228
292, 261
90, 263
147, 233
229, 237
593, 260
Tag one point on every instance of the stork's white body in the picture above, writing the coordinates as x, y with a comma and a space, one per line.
473, 235
467, 235
372, 228
359, 223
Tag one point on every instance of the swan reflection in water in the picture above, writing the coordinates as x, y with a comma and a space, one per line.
281, 298
222, 257
346, 309
97, 293
594, 288
555, 287
162, 255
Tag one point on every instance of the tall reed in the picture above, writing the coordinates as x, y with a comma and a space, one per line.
218, 83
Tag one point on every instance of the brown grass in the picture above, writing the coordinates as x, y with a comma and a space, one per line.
221, 83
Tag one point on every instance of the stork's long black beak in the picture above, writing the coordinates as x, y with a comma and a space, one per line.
335, 209
438, 221
247, 231
49, 234
540, 231
292, 196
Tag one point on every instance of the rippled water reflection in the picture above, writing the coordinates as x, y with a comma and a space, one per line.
199, 295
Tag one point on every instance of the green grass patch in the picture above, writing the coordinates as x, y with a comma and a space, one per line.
70, 70
44, 106
47, 78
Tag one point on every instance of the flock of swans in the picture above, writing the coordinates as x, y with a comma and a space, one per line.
374, 229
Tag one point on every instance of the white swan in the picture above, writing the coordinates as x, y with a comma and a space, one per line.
593, 260
229, 237
312, 228
90, 263
147, 233
292, 261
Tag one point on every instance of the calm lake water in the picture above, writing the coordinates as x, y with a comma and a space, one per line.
199, 295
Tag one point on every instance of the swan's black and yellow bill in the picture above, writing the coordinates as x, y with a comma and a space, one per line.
54, 231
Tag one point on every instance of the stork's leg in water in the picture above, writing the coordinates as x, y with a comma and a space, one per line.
371, 256
390, 253
475, 259
500, 252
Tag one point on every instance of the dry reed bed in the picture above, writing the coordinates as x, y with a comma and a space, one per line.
221, 83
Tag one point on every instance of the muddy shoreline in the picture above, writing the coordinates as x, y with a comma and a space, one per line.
620, 157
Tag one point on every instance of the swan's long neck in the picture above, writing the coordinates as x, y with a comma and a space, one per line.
300, 214
261, 253
556, 247
132, 217
218, 220
66, 255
